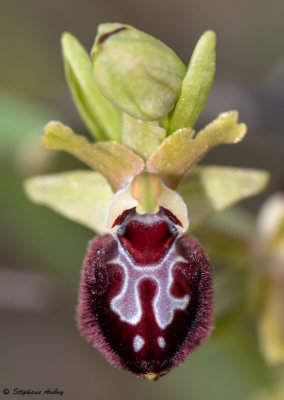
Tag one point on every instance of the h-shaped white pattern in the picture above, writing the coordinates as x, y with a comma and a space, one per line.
127, 304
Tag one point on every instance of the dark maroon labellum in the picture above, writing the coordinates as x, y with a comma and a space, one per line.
146, 294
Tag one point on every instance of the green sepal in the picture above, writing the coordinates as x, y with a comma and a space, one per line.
101, 117
115, 162
179, 152
82, 196
210, 189
196, 84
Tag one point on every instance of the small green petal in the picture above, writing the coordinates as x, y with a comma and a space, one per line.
114, 161
100, 116
208, 190
140, 136
196, 84
179, 152
82, 196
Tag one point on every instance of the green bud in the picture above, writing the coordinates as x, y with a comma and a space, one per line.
139, 74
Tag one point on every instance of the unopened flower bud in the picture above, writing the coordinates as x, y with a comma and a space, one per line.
139, 74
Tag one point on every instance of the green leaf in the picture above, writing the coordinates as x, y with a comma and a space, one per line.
179, 152
82, 196
196, 84
140, 136
116, 162
100, 116
208, 190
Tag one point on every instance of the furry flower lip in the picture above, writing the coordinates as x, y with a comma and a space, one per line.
146, 292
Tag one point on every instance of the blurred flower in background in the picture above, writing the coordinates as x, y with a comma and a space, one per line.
270, 269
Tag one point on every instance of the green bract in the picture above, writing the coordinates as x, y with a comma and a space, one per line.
100, 116
139, 74
196, 84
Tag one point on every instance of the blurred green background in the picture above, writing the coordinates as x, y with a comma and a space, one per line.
41, 252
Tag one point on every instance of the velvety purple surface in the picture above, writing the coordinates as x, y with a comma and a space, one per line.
102, 280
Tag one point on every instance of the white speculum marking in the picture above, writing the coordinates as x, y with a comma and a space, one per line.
161, 342
127, 304
138, 343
